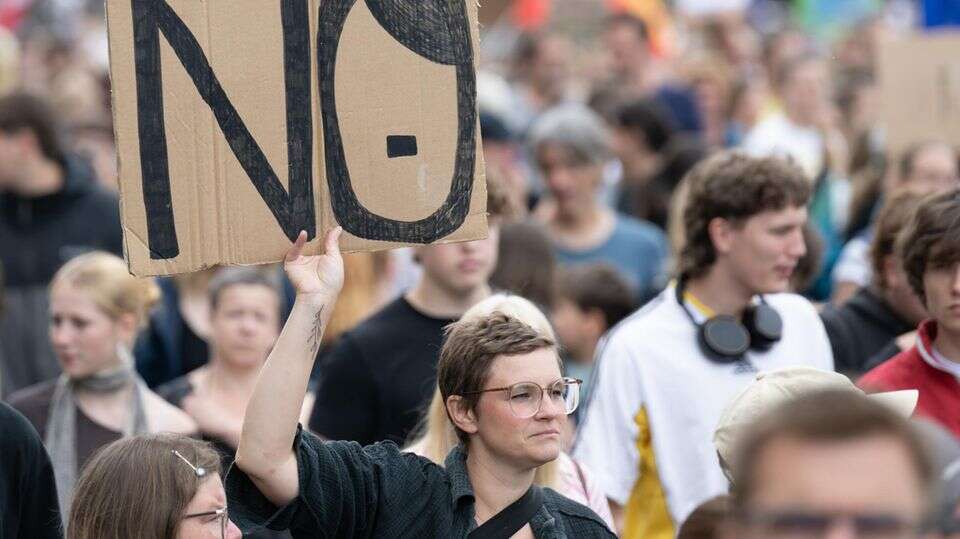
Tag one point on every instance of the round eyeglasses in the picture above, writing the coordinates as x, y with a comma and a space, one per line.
526, 398
218, 517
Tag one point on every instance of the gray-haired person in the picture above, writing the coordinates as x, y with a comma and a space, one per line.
571, 147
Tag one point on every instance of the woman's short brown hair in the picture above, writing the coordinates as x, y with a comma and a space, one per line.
471, 346
137, 487
931, 239
732, 185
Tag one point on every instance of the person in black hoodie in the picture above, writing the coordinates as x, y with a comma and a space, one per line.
28, 494
51, 209
872, 325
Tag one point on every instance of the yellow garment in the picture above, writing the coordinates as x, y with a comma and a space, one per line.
646, 513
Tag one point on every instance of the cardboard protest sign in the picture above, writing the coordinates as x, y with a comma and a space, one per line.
241, 122
919, 80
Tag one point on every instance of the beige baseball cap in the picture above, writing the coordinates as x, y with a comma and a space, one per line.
773, 388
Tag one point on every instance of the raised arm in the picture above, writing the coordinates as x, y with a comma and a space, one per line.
265, 453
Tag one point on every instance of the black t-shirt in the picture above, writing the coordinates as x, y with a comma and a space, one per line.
28, 494
379, 377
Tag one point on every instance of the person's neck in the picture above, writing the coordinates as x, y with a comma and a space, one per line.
432, 299
224, 377
579, 216
947, 344
495, 485
720, 292
44, 177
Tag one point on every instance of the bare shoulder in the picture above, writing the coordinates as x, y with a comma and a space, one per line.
165, 417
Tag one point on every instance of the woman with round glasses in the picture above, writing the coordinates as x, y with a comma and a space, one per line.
437, 437
96, 309
504, 393
154, 486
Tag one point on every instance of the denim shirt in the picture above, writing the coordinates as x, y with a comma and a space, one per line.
378, 491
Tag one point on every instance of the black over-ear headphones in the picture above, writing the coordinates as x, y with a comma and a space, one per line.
725, 339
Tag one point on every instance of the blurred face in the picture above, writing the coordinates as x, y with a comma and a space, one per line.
573, 328
633, 152
550, 68
762, 252
461, 268
811, 489
13, 152
84, 337
806, 91
245, 324
942, 288
209, 498
901, 295
627, 50
934, 170
524, 443
572, 184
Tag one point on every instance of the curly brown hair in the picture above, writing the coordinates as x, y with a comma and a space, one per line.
734, 186
471, 346
931, 239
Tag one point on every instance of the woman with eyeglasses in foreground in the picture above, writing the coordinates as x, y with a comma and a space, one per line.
153, 486
437, 436
504, 392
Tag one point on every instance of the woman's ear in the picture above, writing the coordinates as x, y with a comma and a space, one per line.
127, 326
461, 415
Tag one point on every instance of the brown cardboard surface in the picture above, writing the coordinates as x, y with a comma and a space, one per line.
919, 81
377, 87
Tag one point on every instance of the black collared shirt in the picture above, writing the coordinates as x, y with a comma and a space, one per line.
378, 491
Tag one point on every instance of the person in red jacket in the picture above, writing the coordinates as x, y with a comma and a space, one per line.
930, 251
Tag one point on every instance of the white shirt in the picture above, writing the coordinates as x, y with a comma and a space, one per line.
651, 363
777, 136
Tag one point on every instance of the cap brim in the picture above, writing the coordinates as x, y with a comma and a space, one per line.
902, 402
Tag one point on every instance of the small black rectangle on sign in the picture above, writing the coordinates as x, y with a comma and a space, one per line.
401, 145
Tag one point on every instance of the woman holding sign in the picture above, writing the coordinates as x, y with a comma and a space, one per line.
502, 385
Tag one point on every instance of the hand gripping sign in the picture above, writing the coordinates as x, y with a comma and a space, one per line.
241, 122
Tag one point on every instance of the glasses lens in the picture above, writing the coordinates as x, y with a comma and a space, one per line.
525, 400
571, 395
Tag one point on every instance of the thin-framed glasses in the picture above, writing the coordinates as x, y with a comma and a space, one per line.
803, 524
223, 519
526, 398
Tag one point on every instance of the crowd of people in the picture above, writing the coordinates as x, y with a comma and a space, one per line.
711, 303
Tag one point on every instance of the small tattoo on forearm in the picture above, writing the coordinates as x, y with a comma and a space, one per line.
317, 332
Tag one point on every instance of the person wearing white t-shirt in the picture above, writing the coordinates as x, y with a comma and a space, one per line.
666, 373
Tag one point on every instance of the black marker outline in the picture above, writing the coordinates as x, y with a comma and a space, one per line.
294, 211
438, 30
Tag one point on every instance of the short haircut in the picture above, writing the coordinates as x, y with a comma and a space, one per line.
909, 158
19, 111
644, 117
598, 286
471, 346
828, 417
576, 129
734, 186
241, 275
931, 239
893, 217
500, 207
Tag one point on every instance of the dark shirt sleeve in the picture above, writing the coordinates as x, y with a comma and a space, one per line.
33, 490
344, 489
347, 397
841, 341
885, 353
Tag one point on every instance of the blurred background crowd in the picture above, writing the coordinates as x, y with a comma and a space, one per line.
591, 114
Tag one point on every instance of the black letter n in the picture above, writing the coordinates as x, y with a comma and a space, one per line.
294, 211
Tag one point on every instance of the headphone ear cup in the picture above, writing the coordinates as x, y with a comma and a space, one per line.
725, 338
765, 326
